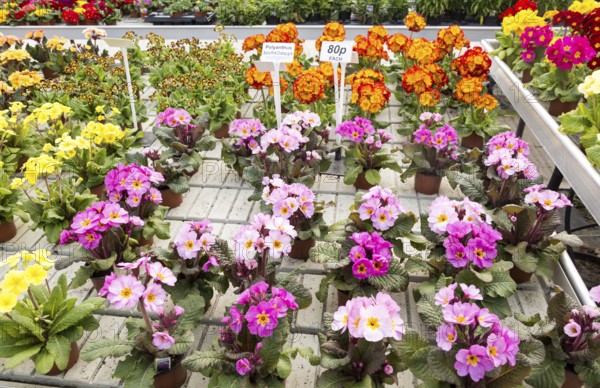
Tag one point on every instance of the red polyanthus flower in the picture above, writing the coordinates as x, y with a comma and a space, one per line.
20, 14
522, 5
70, 16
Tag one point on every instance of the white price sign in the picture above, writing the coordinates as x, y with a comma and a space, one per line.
278, 52
336, 51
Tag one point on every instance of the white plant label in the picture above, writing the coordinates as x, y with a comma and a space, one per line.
336, 51
278, 52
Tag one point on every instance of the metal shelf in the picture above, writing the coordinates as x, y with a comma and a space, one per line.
566, 156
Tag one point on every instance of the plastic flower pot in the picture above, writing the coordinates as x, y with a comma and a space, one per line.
21, 162
8, 230
49, 73
558, 107
472, 141
222, 132
520, 276
571, 378
98, 190
171, 199
177, 14
343, 297
300, 248
173, 378
362, 183
73, 358
97, 279
526, 76
427, 184
144, 242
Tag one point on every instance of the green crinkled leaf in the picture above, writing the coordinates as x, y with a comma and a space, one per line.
568, 239
324, 252
429, 311
531, 353
81, 276
589, 374
284, 366
352, 174
502, 285
76, 314
549, 374
498, 306
272, 346
60, 349
559, 306
226, 380
373, 177
183, 344
333, 379
509, 377
395, 280
105, 347
22, 356
442, 366
471, 186
43, 361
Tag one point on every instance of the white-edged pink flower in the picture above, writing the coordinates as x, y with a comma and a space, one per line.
162, 340
375, 323
161, 274
125, 291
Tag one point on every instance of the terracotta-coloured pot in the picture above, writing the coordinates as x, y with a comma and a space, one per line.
173, 378
362, 183
520, 276
472, 141
222, 132
200, 14
21, 162
8, 230
300, 248
427, 184
144, 242
171, 199
98, 190
134, 14
177, 14
526, 76
571, 378
73, 358
558, 107
190, 174
49, 73
343, 297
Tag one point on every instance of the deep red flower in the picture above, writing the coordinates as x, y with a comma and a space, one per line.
524, 4
594, 63
70, 16
20, 14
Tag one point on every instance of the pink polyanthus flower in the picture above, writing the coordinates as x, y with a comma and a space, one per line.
84, 221
154, 195
375, 323
380, 265
383, 299
362, 269
340, 318
445, 336
511, 339
481, 253
154, 298
549, 200
90, 240
456, 253
286, 297
572, 329
125, 291
107, 281
569, 51
471, 292
211, 262
162, 340
445, 295
595, 294
388, 369
440, 216
459, 229
279, 243
382, 219
187, 244
237, 319
262, 319
461, 313
422, 136
485, 319
161, 274
357, 253
243, 367
473, 362
439, 141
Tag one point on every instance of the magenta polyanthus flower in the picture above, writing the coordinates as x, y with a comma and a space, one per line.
125, 291
236, 319
362, 269
242, 366
481, 253
262, 319
569, 51
162, 340
113, 215
473, 362
456, 253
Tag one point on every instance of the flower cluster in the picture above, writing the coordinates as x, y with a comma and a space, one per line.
579, 325
194, 240
26, 268
397, 42
569, 51
509, 155
468, 236
145, 288
133, 185
452, 38
424, 51
415, 22
91, 226
289, 137
516, 24
545, 200
371, 318
519, 6
369, 90
253, 42
248, 132
332, 32
289, 201
474, 62
533, 38
286, 33
372, 46
309, 86
24, 79
468, 89
590, 85
265, 234
362, 131
173, 118
380, 206
483, 343
443, 139
370, 256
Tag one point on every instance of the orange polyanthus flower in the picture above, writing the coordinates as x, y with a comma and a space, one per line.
257, 79
452, 37
371, 96
468, 89
253, 42
327, 69
397, 42
417, 80
474, 62
487, 102
309, 86
429, 98
423, 51
289, 29
283, 85
440, 78
279, 36
414, 21
378, 32
365, 74
294, 68
334, 31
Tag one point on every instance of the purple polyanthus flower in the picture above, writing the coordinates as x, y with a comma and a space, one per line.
422, 136
473, 362
481, 253
461, 313
485, 319
357, 253
262, 319
380, 265
459, 229
456, 253
445, 295
242, 366
288, 298
445, 336
471, 292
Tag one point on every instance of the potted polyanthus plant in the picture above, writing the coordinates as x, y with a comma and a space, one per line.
9, 208
366, 155
242, 143
103, 233
15, 139
221, 108
252, 347
153, 350
431, 153
298, 204
358, 347
193, 262
46, 324
474, 348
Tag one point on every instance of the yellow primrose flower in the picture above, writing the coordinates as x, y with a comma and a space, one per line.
16, 183
14, 282
35, 274
14, 55
5, 88
522, 19
16, 107
101, 118
47, 147
116, 111
25, 78
8, 301
590, 85
42, 257
100, 109
584, 6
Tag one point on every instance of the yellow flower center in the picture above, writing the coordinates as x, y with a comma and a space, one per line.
493, 351
450, 337
442, 218
373, 323
277, 244
479, 253
472, 360
151, 298
126, 292
189, 245
461, 319
262, 319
